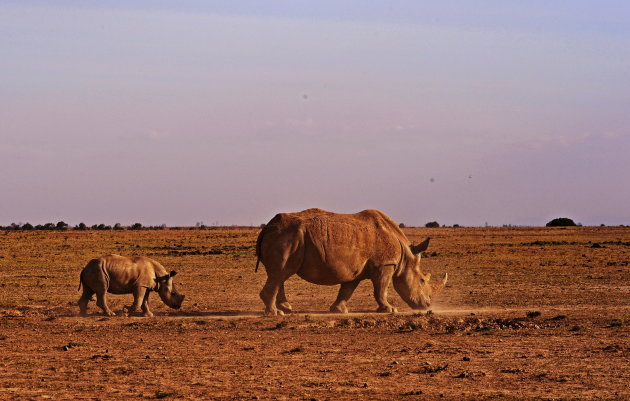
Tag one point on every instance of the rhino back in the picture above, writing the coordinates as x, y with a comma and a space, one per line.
351, 238
337, 247
127, 273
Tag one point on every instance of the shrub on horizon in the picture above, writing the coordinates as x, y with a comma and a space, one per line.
432, 224
561, 222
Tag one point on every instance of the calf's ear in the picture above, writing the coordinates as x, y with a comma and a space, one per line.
161, 278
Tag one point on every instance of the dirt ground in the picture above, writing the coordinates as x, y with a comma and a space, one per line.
529, 313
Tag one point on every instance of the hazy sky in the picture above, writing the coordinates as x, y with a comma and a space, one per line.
506, 112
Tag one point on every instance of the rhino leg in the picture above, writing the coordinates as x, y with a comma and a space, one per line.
269, 294
101, 302
381, 279
145, 305
345, 292
85, 298
280, 265
138, 300
281, 301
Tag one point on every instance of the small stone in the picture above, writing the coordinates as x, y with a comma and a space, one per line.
467, 359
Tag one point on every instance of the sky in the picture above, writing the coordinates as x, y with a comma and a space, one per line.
223, 112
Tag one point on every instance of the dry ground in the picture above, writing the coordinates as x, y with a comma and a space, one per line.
528, 314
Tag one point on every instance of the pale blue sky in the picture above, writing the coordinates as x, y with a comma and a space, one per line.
178, 112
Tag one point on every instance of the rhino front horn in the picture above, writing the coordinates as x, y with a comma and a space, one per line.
438, 288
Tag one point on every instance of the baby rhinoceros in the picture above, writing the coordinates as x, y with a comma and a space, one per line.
122, 275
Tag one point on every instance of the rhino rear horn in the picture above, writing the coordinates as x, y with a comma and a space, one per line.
416, 249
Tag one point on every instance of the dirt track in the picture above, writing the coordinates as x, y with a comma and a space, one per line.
528, 314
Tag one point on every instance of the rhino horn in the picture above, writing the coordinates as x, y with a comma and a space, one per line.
438, 288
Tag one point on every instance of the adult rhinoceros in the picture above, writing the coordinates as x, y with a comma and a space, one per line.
329, 248
122, 275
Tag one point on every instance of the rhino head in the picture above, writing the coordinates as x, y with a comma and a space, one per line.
167, 291
411, 284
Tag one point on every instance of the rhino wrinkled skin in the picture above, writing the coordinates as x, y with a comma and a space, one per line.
123, 275
328, 248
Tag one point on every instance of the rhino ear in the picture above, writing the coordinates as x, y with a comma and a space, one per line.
172, 273
416, 249
161, 278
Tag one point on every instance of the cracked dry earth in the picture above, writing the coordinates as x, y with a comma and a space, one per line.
529, 313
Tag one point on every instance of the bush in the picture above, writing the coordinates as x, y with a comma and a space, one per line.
61, 225
117, 226
432, 224
101, 227
80, 226
136, 226
402, 225
27, 226
561, 222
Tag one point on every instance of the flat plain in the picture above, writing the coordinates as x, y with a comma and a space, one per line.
528, 313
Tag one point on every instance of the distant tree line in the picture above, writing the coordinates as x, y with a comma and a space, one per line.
63, 226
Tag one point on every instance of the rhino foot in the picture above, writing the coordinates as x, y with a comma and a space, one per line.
147, 314
285, 307
339, 309
274, 312
109, 313
387, 309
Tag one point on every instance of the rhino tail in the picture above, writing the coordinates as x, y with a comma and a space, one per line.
258, 247
80, 280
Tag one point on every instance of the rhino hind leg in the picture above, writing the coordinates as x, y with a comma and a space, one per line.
101, 302
281, 301
85, 298
269, 295
280, 265
345, 292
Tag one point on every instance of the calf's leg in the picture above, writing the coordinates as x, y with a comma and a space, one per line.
138, 299
85, 298
145, 305
101, 302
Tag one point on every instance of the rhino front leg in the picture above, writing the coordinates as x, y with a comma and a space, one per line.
138, 300
381, 280
145, 305
101, 302
345, 292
